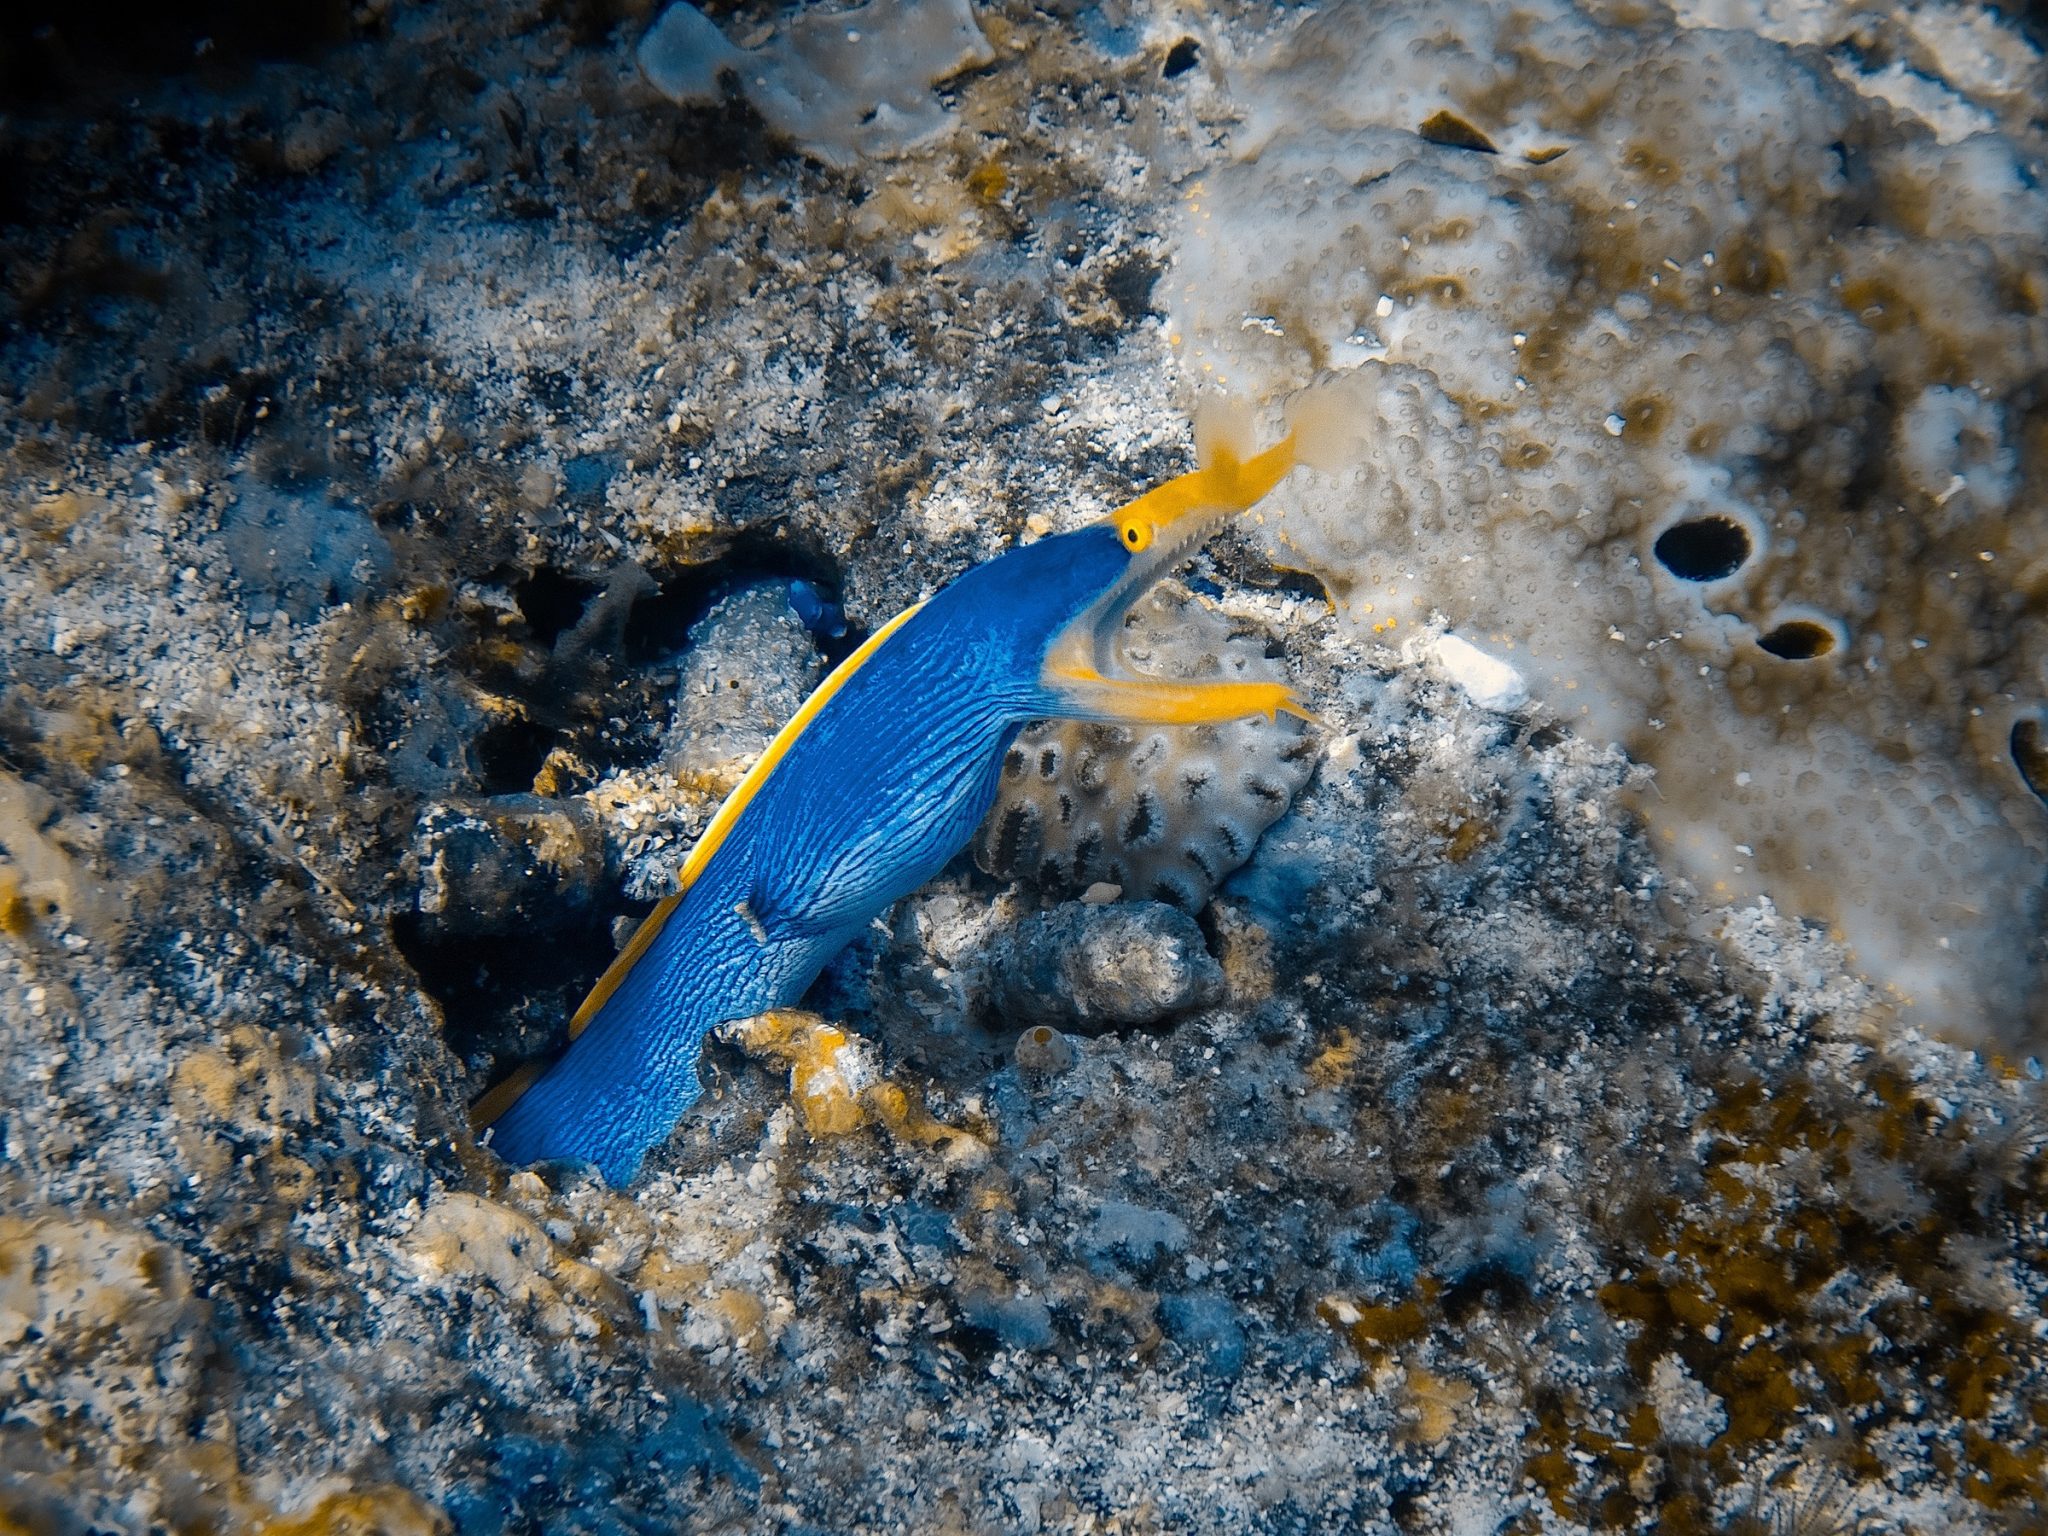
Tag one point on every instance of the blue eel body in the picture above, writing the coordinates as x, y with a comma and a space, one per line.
866, 795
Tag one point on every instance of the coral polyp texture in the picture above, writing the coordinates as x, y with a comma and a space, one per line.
1164, 813
435, 462
1699, 380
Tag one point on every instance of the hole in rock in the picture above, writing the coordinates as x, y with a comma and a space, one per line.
1453, 132
1799, 640
509, 754
977, 1345
506, 995
1181, 57
1493, 1285
1704, 549
2030, 755
1129, 285
552, 601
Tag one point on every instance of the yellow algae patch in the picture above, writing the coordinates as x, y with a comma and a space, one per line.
54, 516
1463, 835
829, 1070
42, 877
836, 1083
17, 918
239, 1090
206, 1080
742, 1313
1432, 1405
1377, 1329
464, 1236
671, 1282
683, 1288
1245, 951
988, 181
381, 1511
1334, 1062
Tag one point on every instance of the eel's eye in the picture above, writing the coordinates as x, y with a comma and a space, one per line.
1136, 536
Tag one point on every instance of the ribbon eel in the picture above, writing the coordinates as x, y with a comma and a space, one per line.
877, 782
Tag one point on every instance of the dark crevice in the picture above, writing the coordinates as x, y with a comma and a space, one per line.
1453, 132
1492, 1286
1129, 284
52, 55
508, 996
509, 753
659, 626
977, 1345
552, 602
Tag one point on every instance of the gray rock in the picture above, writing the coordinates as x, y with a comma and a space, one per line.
1043, 1051
749, 667
511, 861
1105, 967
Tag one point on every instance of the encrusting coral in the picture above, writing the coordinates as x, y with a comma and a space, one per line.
1696, 380
1165, 813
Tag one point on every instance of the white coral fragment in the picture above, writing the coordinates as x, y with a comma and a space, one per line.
1486, 680
847, 85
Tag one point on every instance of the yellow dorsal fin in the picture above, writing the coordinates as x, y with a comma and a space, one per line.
721, 824
502, 1097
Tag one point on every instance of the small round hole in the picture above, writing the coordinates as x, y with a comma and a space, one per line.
2030, 755
1703, 548
1799, 640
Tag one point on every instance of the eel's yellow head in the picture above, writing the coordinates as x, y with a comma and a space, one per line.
1158, 531
1166, 525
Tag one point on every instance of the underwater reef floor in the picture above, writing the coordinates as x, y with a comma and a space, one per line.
433, 462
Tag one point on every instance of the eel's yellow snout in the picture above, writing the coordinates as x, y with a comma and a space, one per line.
1160, 529
1221, 488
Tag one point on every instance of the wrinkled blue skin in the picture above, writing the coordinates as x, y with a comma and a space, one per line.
883, 787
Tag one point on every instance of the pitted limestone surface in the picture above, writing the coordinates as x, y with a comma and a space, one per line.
1700, 382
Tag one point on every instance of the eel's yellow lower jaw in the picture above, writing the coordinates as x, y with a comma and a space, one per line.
1167, 701
1179, 517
